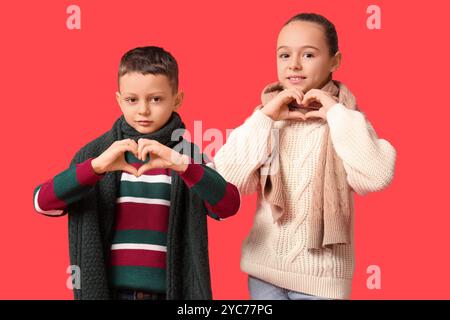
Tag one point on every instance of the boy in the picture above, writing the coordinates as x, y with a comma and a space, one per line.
137, 207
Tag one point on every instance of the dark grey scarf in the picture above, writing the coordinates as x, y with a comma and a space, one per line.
91, 224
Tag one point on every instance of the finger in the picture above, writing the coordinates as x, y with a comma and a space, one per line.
142, 143
147, 150
309, 96
131, 144
313, 114
295, 115
177, 158
121, 149
145, 167
314, 95
128, 142
134, 145
295, 94
288, 96
124, 141
146, 141
139, 142
299, 98
143, 153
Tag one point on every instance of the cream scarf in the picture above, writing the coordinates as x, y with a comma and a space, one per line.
330, 220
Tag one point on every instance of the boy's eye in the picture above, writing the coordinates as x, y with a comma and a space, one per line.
308, 55
284, 56
156, 99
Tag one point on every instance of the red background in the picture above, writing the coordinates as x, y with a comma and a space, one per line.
58, 93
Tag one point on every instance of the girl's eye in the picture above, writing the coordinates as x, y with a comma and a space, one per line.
284, 56
156, 99
131, 100
308, 55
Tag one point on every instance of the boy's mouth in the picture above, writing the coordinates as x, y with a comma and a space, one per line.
144, 123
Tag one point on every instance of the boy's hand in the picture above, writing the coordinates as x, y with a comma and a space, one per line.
113, 158
278, 109
160, 157
322, 97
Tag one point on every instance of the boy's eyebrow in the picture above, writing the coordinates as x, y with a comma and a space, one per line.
286, 47
153, 93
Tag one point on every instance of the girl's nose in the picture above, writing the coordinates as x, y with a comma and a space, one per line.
295, 63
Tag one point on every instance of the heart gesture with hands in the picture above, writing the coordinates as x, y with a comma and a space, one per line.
321, 97
278, 108
161, 156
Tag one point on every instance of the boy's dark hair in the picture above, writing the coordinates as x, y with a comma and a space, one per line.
150, 60
329, 29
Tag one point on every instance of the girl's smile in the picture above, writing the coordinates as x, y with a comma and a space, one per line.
295, 79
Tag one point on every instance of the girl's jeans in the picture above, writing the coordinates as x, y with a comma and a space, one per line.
261, 290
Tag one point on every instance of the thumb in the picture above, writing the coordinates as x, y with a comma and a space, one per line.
295, 115
313, 114
145, 167
130, 169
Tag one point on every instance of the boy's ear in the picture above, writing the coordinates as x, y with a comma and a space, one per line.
336, 61
119, 102
178, 100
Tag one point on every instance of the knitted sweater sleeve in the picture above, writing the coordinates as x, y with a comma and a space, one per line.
245, 151
54, 196
368, 161
220, 197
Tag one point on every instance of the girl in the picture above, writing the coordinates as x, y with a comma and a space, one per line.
305, 150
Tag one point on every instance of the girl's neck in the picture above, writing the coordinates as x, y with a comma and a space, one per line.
330, 77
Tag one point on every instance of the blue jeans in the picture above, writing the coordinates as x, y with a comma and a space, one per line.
126, 294
261, 290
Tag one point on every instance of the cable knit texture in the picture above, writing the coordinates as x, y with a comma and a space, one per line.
329, 219
277, 253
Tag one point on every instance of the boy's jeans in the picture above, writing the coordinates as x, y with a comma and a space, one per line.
124, 294
261, 290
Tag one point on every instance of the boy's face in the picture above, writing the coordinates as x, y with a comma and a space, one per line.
147, 101
303, 58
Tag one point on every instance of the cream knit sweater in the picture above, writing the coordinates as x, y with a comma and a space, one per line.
277, 253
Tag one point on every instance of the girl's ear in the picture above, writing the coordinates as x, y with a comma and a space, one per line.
178, 100
336, 61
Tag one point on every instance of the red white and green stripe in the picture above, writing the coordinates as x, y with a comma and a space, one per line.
138, 251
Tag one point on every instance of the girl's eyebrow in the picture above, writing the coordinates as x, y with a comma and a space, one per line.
304, 47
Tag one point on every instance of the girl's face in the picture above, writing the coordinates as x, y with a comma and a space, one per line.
303, 57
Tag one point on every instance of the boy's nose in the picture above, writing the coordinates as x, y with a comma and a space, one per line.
144, 109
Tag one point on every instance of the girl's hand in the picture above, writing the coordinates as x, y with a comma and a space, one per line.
322, 97
113, 158
278, 109
160, 157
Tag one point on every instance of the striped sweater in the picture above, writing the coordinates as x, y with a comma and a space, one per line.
138, 251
